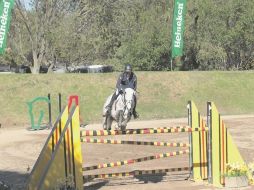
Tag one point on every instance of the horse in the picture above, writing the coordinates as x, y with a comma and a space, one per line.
121, 111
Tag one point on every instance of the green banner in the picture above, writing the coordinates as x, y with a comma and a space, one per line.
178, 28
5, 18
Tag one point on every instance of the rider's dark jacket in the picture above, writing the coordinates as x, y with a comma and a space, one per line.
127, 81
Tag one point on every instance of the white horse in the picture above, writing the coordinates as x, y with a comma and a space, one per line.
121, 111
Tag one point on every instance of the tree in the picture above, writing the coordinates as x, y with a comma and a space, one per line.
221, 34
218, 35
39, 21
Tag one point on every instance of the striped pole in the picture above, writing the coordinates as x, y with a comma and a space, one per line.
140, 131
134, 173
132, 161
189, 108
110, 141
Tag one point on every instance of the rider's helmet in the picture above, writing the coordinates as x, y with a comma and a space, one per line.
128, 68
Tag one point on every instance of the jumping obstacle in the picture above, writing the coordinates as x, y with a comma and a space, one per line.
61, 156
221, 148
210, 148
87, 133
110, 141
198, 145
133, 161
195, 145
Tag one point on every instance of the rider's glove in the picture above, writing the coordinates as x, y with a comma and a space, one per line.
121, 91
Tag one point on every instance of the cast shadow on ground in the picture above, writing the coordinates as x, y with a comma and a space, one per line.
12, 180
143, 179
17, 181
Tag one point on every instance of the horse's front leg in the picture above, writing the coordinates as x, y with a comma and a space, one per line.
107, 122
104, 123
125, 121
120, 119
126, 117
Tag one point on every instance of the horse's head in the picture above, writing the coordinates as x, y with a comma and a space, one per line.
129, 94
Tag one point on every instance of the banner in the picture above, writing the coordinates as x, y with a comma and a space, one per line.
178, 28
5, 18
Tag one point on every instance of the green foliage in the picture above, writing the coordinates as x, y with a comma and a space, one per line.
218, 34
222, 34
66, 184
211, 57
149, 48
236, 169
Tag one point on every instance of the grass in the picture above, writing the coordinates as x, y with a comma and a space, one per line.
161, 94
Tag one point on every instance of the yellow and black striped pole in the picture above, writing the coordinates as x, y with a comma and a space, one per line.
132, 161
140, 131
111, 141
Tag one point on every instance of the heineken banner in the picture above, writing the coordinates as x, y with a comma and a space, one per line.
178, 27
5, 18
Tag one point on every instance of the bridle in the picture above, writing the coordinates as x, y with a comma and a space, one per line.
126, 103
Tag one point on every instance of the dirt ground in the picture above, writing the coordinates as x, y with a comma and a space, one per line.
19, 149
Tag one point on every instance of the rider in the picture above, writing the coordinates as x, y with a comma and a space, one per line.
127, 79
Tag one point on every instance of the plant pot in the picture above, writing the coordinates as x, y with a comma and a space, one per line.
237, 181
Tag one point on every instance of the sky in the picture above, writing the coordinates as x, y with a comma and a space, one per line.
26, 2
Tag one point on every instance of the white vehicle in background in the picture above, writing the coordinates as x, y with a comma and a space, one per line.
90, 69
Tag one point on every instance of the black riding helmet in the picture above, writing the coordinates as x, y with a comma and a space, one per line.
128, 68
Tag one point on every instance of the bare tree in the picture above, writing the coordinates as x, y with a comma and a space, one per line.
39, 18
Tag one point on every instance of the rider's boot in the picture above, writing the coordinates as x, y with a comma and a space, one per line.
135, 114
